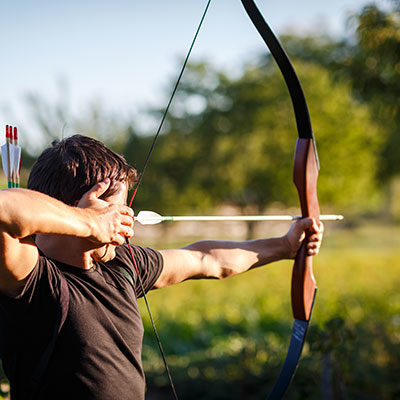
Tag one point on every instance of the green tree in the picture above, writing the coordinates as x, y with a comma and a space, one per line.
232, 141
373, 64
369, 60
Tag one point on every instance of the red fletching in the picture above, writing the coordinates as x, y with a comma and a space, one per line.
15, 133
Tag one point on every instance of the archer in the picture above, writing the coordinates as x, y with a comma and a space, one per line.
69, 321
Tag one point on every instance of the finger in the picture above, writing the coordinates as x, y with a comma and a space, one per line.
126, 233
127, 220
117, 240
313, 245
304, 224
125, 210
316, 237
120, 238
98, 189
129, 233
314, 248
317, 227
312, 252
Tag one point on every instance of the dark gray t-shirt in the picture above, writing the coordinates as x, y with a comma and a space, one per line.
97, 354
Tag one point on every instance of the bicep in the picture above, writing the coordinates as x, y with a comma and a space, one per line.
181, 265
18, 257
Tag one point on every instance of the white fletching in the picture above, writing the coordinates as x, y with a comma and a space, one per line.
148, 218
4, 158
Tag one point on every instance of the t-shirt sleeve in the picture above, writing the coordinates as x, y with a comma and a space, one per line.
149, 265
43, 283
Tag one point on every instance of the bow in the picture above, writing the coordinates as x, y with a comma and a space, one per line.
305, 174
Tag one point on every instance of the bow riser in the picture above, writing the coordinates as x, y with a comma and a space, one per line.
303, 295
305, 176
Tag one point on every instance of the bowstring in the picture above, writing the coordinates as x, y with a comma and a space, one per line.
140, 181
160, 347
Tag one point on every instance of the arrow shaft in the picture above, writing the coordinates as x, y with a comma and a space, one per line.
329, 217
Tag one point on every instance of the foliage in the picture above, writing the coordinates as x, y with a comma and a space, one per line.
369, 60
232, 141
374, 68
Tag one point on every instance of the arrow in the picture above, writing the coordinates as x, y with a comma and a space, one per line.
5, 156
11, 157
152, 218
16, 159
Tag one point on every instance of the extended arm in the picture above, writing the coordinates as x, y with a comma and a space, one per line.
210, 259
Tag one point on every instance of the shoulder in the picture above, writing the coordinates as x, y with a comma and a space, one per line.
45, 277
143, 256
145, 263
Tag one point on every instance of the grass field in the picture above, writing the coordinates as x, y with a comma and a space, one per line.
363, 263
215, 330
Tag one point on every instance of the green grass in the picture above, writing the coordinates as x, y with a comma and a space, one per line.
216, 323
362, 263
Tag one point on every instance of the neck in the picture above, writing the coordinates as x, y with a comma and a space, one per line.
59, 248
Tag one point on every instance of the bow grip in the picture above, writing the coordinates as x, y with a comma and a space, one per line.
305, 175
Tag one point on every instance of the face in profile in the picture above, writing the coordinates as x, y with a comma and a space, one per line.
107, 252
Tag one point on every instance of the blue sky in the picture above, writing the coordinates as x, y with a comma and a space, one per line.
124, 52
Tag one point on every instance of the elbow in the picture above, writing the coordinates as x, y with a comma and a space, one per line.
222, 272
226, 272
214, 268
8, 225
13, 230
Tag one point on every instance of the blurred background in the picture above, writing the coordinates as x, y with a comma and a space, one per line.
106, 69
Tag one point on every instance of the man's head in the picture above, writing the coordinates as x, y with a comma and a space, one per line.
71, 167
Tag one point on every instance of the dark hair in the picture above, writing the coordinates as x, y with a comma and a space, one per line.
71, 167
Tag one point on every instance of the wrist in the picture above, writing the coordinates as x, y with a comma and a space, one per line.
286, 248
88, 222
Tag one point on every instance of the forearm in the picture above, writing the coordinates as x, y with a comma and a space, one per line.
221, 259
25, 212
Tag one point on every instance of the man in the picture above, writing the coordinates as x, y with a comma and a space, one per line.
64, 238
